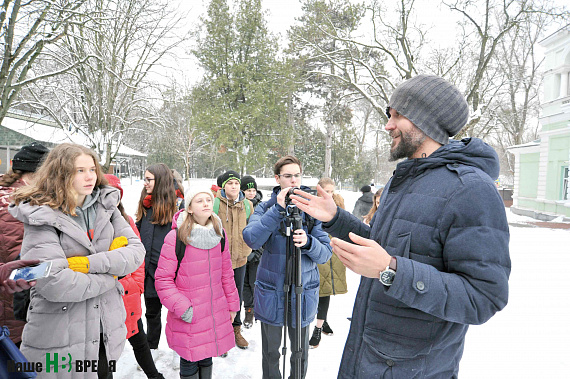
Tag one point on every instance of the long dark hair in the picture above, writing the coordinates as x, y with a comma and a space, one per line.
370, 214
163, 196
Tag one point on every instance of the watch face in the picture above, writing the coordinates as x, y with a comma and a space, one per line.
387, 277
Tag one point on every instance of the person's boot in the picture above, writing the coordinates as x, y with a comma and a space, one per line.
195, 376
240, 341
248, 322
327, 329
206, 372
315, 338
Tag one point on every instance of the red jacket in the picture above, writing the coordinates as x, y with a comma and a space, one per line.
11, 235
134, 287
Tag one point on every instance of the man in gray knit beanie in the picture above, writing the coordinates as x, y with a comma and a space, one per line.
435, 257
431, 107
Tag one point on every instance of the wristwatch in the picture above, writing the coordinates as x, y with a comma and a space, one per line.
387, 276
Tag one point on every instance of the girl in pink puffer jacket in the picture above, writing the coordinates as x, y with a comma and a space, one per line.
202, 299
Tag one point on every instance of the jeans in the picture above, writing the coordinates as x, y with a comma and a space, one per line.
189, 368
142, 351
239, 276
153, 322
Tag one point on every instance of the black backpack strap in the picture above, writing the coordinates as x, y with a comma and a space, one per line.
180, 251
310, 222
223, 241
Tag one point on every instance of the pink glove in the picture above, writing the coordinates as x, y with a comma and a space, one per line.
12, 286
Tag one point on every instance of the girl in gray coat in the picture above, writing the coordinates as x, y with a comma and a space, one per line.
71, 219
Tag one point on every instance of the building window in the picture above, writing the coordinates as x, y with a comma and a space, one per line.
565, 184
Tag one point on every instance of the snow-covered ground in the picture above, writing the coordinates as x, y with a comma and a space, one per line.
530, 338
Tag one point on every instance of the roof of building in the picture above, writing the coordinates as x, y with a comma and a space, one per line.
45, 130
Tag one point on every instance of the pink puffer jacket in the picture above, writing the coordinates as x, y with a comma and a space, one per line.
205, 282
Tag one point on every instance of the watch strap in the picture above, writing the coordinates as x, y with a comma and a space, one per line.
393, 264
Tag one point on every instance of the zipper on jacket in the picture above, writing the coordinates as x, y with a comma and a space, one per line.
212, 303
332, 276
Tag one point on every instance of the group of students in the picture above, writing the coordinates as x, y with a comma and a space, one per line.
199, 253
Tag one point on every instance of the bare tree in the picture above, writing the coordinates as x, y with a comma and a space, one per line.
28, 29
112, 93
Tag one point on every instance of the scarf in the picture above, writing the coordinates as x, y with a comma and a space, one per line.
147, 201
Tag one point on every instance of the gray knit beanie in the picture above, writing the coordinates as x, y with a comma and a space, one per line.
433, 105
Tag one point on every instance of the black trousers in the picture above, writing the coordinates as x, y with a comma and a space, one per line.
189, 368
323, 308
239, 276
271, 337
249, 283
153, 322
103, 364
142, 351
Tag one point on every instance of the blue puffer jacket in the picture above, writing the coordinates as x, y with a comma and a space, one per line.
443, 219
264, 229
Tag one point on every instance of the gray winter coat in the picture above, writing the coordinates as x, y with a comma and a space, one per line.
68, 309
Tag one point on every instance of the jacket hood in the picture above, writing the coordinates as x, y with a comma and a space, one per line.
469, 151
222, 193
108, 198
367, 197
181, 215
257, 198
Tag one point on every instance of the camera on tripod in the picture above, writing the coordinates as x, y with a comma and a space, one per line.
288, 200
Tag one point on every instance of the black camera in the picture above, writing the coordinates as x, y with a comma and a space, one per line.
290, 192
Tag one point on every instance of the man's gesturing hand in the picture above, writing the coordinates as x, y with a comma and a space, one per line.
365, 257
321, 207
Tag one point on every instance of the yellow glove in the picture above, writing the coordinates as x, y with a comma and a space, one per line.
118, 242
79, 264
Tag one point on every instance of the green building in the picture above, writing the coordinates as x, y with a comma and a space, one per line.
541, 167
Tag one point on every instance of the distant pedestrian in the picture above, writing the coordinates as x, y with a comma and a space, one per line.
375, 206
364, 203
133, 286
157, 206
332, 277
234, 210
249, 188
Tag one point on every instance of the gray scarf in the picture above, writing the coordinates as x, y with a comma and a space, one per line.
204, 237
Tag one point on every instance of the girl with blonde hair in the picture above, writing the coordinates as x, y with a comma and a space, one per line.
71, 219
198, 288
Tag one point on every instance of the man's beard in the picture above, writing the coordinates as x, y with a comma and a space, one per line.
409, 143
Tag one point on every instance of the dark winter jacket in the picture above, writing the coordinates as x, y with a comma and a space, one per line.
11, 235
265, 227
255, 255
363, 205
443, 219
152, 237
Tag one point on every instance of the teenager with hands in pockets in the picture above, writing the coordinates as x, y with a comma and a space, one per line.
71, 218
199, 290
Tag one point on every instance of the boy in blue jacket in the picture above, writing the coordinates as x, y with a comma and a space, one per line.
266, 228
